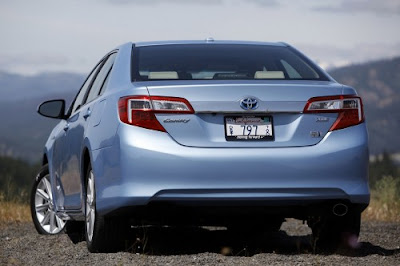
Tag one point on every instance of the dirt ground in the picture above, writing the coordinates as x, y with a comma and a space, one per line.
379, 244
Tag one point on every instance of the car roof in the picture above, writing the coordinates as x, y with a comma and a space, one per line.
210, 41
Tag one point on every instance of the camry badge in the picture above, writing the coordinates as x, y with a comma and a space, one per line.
249, 103
176, 120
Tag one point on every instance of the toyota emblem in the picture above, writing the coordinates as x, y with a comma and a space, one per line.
249, 103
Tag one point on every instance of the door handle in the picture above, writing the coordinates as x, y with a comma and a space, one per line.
66, 127
88, 113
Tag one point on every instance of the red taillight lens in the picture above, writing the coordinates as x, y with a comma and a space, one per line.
140, 110
349, 107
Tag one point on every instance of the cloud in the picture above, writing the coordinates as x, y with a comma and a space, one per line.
32, 59
156, 2
358, 6
263, 3
31, 63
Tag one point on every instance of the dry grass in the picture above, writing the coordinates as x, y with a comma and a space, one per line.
377, 211
385, 201
13, 212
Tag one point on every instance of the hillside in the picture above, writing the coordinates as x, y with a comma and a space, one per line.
378, 83
23, 132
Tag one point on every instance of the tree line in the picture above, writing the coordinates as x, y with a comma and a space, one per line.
16, 179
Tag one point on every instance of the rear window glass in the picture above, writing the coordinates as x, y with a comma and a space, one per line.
221, 62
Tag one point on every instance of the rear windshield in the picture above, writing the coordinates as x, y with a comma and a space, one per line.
221, 62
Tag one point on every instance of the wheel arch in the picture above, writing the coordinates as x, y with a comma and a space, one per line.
86, 161
45, 160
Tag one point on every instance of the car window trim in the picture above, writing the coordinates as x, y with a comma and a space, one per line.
101, 91
70, 111
101, 61
95, 77
133, 64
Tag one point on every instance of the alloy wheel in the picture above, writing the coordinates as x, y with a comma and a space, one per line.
90, 206
44, 208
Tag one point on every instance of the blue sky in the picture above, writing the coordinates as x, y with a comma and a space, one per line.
55, 35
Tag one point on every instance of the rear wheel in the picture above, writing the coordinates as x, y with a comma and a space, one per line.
331, 232
44, 216
102, 235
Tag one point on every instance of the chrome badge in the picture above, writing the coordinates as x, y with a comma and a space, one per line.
315, 134
176, 120
249, 103
322, 119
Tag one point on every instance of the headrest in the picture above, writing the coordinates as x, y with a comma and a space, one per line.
163, 75
269, 75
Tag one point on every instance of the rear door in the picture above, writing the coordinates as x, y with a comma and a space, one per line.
70, 179
80, 119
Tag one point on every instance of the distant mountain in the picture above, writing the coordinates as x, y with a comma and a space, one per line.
14, 87
378, 83
23, 132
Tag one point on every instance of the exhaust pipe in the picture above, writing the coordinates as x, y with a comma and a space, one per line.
340, 209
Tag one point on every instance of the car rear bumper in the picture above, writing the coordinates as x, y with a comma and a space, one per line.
147, 167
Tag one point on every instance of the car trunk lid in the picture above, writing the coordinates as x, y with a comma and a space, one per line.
217, 103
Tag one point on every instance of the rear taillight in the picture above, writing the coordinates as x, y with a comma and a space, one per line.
140, 110
349, 107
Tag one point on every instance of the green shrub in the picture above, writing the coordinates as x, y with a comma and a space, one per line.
388, 189
382, 166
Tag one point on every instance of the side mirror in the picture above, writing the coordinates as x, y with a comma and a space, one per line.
52, 109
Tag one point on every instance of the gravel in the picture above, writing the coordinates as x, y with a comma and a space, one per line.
379, 244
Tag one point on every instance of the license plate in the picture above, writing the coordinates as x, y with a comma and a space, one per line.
248, 128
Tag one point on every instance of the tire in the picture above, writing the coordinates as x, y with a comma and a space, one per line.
332, 232
44, 217
102, 235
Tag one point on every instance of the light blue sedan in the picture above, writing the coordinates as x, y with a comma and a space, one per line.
233, 134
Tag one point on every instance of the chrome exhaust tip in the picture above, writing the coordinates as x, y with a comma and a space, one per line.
340, 209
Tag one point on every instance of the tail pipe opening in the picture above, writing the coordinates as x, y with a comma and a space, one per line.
340, 209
